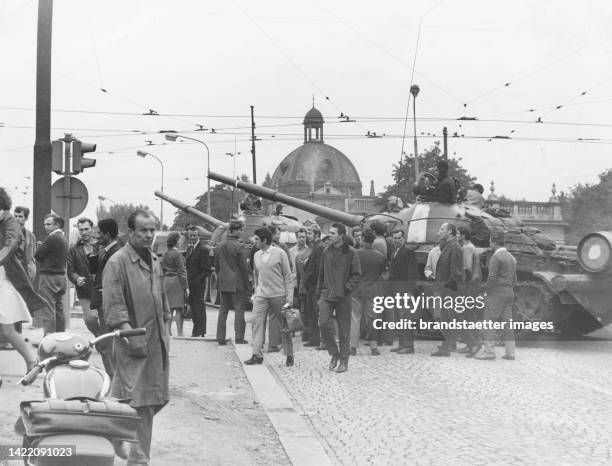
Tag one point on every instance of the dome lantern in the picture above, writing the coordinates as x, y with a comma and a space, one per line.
313, 126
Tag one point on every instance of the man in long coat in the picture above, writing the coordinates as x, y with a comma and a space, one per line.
133, 297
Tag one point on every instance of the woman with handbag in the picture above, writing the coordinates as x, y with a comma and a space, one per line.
175, 281
13, 307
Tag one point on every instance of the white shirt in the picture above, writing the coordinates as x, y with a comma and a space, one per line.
432, 262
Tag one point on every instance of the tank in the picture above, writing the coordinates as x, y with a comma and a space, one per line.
252, 217
539, 260
591, 288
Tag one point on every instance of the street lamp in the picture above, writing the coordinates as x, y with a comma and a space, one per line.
414, 90
104, 198
173, 137
233, 156
144, 154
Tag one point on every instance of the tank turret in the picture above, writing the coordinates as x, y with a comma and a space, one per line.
539, 259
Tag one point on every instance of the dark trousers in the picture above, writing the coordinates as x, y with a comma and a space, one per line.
53, 288
326, 323
236, 301
448, 315
140, 451
305, 316
406, 335
312, 312
105, 347
198, 309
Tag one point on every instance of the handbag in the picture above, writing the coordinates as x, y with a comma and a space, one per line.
293, 319
106, 418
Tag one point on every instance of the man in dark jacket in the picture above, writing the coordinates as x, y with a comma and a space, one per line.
403, 275
311, 276
51, 255
81, 265
339, 275
449, 282
198, 269
108, 246
446, 191
373, 264
233, 280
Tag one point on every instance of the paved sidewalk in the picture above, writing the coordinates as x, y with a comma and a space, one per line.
213, 418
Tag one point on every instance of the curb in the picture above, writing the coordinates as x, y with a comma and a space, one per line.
301, 443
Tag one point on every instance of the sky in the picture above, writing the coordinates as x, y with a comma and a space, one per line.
505, 63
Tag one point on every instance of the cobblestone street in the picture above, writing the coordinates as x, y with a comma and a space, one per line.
552, 405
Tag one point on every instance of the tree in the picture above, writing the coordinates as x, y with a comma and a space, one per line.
404, 174
221, 206
121, 212
588, 208
267, 183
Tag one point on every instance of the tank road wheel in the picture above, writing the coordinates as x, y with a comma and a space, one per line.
531, 305
213, 288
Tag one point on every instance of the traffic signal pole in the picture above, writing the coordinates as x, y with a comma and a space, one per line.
42, 144
67, 172
67, 304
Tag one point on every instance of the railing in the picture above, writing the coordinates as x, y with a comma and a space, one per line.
361, 205
549, 211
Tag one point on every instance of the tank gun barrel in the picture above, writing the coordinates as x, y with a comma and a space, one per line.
274, 195
210, 221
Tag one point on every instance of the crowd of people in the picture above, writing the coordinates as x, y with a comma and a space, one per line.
333, 280
334, 285
119, 286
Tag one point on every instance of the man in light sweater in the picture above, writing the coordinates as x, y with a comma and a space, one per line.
500, 297
273, 289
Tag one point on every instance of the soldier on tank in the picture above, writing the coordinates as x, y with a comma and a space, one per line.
446, 189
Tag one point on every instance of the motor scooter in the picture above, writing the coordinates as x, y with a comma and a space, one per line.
76, 424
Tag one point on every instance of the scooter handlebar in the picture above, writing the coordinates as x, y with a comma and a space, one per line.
31, 375
133, 332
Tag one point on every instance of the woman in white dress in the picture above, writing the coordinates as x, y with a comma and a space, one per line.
13, 308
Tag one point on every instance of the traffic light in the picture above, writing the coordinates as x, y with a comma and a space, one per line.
80, 163
57, 156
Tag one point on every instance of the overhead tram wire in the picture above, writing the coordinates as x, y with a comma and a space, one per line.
293, 62
416, 52
541, 109
369, 119
559, 107
531, 73
393, 56
149, 109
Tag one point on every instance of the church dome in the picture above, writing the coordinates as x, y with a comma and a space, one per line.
311, 165
316, 166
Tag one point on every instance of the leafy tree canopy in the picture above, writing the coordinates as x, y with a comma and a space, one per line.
588, 208
221, 206
404, 174
121, 212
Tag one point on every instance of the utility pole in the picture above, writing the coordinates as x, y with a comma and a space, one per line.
445, 139
253, 146
42, 144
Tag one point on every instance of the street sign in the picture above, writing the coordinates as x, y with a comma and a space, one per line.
76, 200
